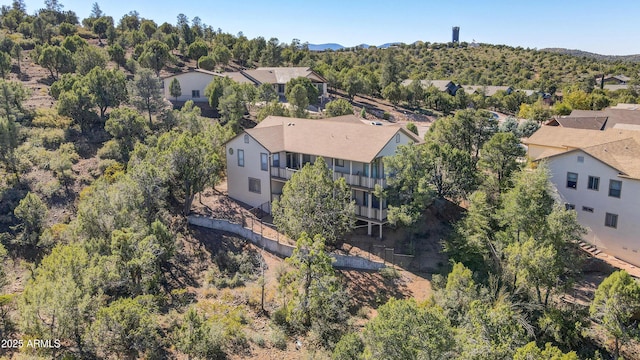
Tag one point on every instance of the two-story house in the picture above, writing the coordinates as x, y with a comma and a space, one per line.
596, 173
262, 159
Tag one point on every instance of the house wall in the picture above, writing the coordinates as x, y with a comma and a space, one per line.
390, 148
189, 82
238, 177
622, 241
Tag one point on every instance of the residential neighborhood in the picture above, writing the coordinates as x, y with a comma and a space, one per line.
227, 181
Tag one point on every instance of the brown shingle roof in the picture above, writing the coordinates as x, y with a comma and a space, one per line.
614, 116
343, 137
588, 122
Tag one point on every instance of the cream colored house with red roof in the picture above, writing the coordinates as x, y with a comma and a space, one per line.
262, 159
597, 173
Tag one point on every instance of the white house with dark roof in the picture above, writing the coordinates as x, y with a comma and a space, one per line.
262, 159
192, 85
596, 173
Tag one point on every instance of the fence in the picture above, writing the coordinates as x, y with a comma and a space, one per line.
278, 248
388, 255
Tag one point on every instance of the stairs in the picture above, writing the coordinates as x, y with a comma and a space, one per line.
590, 249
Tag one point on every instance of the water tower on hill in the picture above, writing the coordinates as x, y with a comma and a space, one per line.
456, 34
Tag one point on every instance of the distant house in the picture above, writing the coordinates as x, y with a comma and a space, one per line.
262, 159
597, 174
442, 85
622, 117
613, 79
279, 77
192, 85
486, 90
194, 82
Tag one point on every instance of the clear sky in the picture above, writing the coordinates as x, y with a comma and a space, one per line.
610, 28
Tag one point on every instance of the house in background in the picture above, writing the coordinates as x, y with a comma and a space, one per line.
486, 90
261, 160
624, 116
442, 85
192, 85
194, 82
596, 173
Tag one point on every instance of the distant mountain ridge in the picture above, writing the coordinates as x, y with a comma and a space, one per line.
580, 53
334, 46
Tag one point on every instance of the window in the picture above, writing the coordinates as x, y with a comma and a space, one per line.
240, 157
275, 159
195, 94
264, 162
254, 185
572, 180
580, 159
611, 220
339, 163
615, 187
306, 159
594, 183
246, 139
281, 88
398, 138
568, 206
587, 209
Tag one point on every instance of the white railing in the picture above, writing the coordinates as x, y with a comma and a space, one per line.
360, 181
377, 214
282, 173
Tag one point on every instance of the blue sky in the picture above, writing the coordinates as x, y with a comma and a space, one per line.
596, 26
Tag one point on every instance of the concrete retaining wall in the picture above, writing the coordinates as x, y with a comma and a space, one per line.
282, 250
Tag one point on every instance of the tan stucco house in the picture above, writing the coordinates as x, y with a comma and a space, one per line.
262, 159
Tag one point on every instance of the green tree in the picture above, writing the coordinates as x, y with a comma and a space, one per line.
392, 93
198, 49
319, 301
221, 55
206, 63
412, 127
108, 88
313, 203
78, 104
338, 108
409, 191
127, 127
616, 302
577, 99
550, 352
197, 338
350, 347
32, 212
57, 302
12, 94
56, 59
88, 58
126, 328
194, 163
100, 27
405, 330
299, 100
527, 128
499, 157
450, 171
273, 108
117, 54
146, 93
311, 91
174, 89
215, 89
8, 145
5, 64
155, 55
232, 107
266, 93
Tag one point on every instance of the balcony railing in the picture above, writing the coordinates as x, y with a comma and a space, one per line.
360, 181
376, 214
353, 180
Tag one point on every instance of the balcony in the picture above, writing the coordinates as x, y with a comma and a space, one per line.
376, 214
360, 181
353, 180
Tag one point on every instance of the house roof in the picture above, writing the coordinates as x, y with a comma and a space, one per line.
488, 90
442, 85
344, 137
202, 71
620, 149
613, 87
614, 116
274, 75
587, 122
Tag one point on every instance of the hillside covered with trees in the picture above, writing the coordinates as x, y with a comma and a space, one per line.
98, 173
